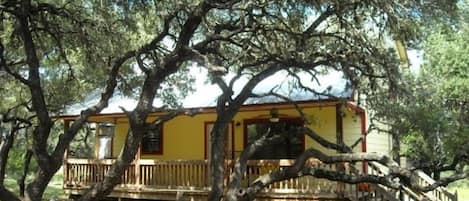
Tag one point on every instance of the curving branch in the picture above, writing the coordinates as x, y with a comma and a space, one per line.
6, 195
137, 118
325, 143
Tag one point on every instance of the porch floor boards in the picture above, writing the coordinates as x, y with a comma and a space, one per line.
201, 195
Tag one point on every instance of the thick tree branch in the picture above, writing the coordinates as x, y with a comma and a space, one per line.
137, 118
5, 146
6, 195
444, 181
316, 172
111, 83
42, 130
240, 164
21, 181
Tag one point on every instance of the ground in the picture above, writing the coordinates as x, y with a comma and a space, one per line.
462, 187
54, 190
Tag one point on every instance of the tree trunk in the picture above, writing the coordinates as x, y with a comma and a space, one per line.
6, 195
5, 147
396, 147
113, 176
436, 174
35, 189
217, 155
21, 180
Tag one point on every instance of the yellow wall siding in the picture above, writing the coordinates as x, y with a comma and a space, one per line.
352, 128
120, 133
183, 137
378, 142
323, 122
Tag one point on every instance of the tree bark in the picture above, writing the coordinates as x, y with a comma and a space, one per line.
224, 115
6, 195
21, 180
137, 118
5, 147
217, 155
234, 188
35, 189
113, 177
396, 147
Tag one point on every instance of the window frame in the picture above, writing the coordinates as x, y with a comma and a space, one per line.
160, 145
247, 122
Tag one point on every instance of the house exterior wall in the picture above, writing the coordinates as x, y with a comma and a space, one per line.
184, 136
352, 126
379, 142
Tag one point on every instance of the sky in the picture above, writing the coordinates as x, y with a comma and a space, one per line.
206, 94
415, 59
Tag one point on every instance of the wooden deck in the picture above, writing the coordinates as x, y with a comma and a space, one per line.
165, 180
155, 179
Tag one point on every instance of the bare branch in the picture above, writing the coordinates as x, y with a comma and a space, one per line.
444, 181
141, 65
171, 115
204, 61
325, 143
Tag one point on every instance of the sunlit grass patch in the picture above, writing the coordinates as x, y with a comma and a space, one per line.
53, 190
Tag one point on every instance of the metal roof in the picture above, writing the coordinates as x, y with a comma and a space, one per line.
206, 95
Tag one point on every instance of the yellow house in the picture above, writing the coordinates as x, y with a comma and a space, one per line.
172, 160
174, 157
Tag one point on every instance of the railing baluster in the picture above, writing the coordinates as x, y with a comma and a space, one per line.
193, 174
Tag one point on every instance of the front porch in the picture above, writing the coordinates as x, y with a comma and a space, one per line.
165, 180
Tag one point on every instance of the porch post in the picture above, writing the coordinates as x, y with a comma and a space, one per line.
64, 163
340, 141
138, 181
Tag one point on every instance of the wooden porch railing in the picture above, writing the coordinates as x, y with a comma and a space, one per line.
305, 184
174, 174
440, 193
194, 175
406, 193
81, 173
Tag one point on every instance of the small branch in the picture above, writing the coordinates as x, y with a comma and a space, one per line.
323, 17
356, 142
241, 162
289, 100
22, 179
204, 61
171, 115
141, 65
287, 173
444, 181
325, 143
16, 75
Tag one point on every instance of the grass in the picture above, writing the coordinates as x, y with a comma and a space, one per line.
53, 190
462, 187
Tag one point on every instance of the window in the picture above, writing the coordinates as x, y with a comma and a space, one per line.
152, 142
289, 148
105, 135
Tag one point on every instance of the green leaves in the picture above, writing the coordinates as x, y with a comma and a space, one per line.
430, 110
